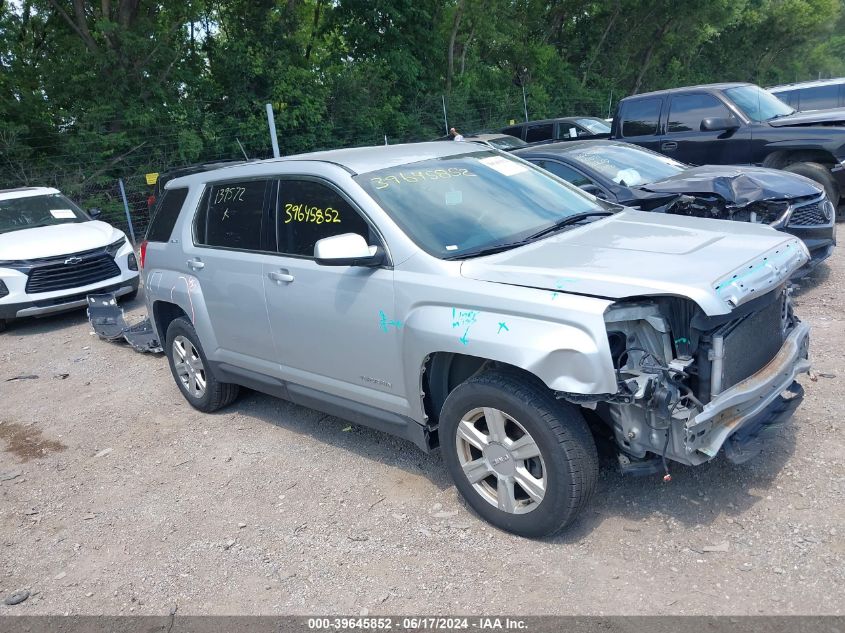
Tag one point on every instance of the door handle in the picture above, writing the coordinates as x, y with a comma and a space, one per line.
195, 264
669, 146
280, 276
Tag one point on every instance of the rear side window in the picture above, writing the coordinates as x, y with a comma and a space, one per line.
540, 133
641, 117
515, 130
309, 211
688, 111
819, 98
232, 215
164, 218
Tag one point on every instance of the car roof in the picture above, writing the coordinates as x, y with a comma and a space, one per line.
808, 84
566, 147
487, 136
719, 86
26, 192
356, 160
568, 119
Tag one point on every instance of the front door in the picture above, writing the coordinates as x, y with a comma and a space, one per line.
333, 326
685, 141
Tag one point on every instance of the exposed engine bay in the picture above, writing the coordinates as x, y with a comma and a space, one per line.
690, 384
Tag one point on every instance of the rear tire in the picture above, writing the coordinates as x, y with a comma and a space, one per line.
2, 325
820, 174
522, 460
191, 370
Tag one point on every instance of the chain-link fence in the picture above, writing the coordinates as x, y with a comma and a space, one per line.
126, 200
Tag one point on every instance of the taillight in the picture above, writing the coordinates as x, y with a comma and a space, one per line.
143, 252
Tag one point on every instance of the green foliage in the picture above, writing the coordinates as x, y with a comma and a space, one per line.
92, 91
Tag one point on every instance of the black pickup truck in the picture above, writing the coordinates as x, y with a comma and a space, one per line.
737, 124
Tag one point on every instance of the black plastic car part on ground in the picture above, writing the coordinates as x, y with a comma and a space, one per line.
737, 124
635, 177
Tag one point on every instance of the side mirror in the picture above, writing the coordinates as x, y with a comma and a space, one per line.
725, 124
349, 249
593, 190
94, 213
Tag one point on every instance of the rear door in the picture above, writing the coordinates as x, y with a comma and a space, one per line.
225, 258
684, 140
640, 122
540, 132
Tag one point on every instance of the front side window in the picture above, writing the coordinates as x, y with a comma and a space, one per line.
309, 211
688, 111
626, 165
458, 204
232, 214
32, 212
758, 104
641, 117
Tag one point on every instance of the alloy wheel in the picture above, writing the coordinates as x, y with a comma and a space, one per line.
501, 460
189, 367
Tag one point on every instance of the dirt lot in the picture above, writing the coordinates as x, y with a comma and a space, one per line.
118, 498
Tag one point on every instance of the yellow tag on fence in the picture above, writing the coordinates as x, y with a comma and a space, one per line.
152, 178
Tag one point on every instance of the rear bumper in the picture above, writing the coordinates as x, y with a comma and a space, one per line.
60, 304
748, 407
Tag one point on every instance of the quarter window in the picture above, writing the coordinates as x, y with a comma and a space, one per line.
641, 118
231, 215
687, 112
310, 211
165, 215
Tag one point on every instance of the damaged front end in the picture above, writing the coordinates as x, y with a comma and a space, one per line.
690, 384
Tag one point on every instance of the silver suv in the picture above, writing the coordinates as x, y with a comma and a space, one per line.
464, 299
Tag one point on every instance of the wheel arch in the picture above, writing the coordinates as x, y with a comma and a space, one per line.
164, 313
443, 371
780, 158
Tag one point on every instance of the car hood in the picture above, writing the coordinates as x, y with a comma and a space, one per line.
834, 115
735, 185
59, 239
636, 253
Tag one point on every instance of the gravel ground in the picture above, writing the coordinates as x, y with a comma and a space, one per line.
118, 498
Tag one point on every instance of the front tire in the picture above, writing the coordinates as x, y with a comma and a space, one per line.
822, 175
522, 460
191, 370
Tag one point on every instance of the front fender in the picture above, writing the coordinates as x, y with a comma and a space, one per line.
568, 350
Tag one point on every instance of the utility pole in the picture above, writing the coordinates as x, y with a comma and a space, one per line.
445, 120
271, 121
524, 102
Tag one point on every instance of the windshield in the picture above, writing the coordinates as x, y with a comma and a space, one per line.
35, 211
626, 165
758, 104
453, 205
596, 126
506, 142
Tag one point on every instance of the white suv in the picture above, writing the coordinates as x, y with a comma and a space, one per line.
52, 254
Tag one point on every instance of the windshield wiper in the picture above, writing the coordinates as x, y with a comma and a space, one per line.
564, 222
777, 116
498, 248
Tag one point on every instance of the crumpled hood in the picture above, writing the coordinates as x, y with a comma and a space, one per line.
833, 115
59, 239
636, 253
736, 185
